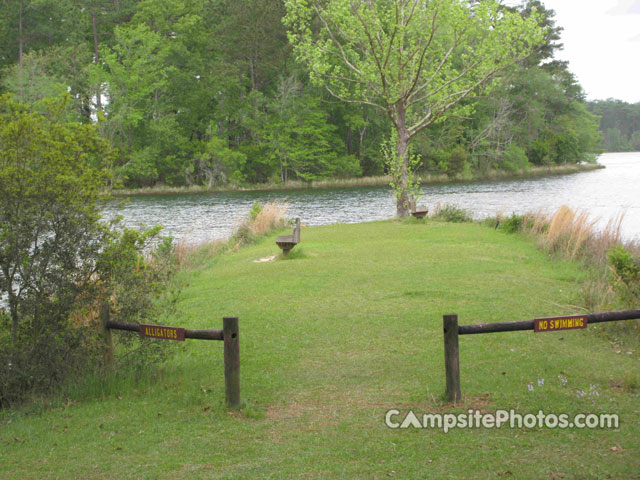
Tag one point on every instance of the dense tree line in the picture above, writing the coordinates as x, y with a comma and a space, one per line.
209, 92
619, 124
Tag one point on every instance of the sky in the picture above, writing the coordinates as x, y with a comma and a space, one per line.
602, 44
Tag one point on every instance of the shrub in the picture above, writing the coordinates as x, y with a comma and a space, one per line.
626, 275
50, 239
58, 260
511, 224
451, 213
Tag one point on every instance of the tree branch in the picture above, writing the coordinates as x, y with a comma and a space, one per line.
335, 41
367, 32
440, 110
362, 102
424, 52
456, 42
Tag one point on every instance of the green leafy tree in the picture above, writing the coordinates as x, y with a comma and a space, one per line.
215, 163
537, 107
619, 121
50, 238
411, 59
27, 25
58, 261
301, 142
33, 82
49, 214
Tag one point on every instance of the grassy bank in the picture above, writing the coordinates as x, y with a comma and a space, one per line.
347, 328
379, 181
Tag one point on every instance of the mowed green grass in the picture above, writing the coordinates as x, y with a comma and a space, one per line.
347, 328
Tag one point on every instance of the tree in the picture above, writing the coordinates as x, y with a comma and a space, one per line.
413, 60
619, 123
49, 229
27, 25
300, 140
58, 261
50, 240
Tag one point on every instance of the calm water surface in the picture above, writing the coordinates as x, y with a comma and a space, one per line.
604, 193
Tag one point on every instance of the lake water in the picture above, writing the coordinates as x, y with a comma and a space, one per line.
604, 193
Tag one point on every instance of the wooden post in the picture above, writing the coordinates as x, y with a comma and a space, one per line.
451, 357
107, 352
231, 361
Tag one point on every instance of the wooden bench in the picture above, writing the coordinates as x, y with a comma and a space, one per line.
287, 242
418, 212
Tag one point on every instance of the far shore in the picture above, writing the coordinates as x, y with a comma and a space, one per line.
377, 181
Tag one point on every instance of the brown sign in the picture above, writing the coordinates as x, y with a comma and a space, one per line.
570, 322
165, 333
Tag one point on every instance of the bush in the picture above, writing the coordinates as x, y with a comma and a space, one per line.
50, 239
511, 224
58, 261
451, 213
37, 363
626, 275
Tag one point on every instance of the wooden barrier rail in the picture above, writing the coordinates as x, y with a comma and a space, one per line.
567, 322
229, 335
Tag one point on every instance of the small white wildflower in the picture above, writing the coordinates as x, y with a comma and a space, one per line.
530, 387
580, 393
540, 382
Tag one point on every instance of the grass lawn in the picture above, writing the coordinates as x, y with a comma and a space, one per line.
347, 328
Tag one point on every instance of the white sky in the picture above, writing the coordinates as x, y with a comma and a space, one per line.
602, 44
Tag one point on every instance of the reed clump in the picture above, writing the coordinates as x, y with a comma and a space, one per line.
261, 220
189, 254
613, 265
572, 234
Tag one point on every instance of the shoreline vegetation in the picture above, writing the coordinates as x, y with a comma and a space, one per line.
375, 181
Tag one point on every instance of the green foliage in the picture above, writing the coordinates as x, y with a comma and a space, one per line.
58, 261
457, 162
427, 58
452, 213
300, 142
210, 93
136, 271
50, 239
515, 159
511, 224
216, 163
34, 82
256, 208
626, 275
619, 124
